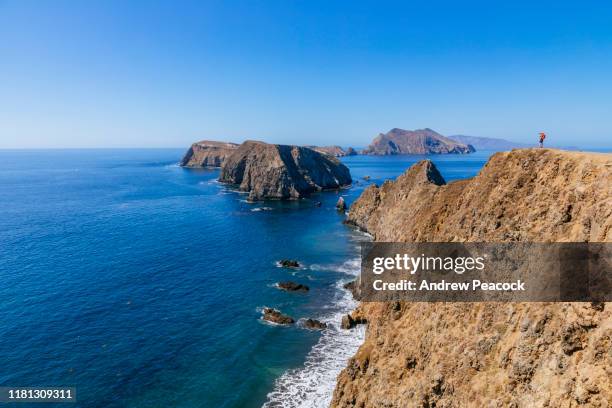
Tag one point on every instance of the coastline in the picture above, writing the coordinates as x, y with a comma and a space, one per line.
312, 385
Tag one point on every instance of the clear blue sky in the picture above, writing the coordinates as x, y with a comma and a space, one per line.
164, 74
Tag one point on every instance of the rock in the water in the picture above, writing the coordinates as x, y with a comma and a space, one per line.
421, 141
318, 204
275, 316
341, 204
367, 178
289, 263
314, 324
350, 321
292, 287
352, 287
350, 152
269, 171
207, 154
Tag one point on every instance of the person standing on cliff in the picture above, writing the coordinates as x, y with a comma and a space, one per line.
542, 137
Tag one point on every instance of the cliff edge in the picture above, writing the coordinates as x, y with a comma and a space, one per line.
487, 354
207, 153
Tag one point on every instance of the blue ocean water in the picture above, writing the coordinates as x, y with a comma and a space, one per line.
141, 283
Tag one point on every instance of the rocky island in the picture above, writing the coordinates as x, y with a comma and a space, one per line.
270, 171
207, 153
486, 354
421, 141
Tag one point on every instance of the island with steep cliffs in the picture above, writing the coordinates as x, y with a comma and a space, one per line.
420, 141
486, 354
207, 153
271, 171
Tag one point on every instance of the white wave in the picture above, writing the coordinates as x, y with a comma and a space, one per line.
312, 385
262, 209
350, 267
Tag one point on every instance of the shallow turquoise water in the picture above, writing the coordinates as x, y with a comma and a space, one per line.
140, 283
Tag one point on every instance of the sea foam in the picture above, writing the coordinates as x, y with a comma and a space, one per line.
312, 385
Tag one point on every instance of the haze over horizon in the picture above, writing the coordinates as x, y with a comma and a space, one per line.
166, 74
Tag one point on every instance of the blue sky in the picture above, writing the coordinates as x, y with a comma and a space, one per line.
164, 74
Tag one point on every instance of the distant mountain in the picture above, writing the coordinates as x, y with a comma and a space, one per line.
420, 141
489, 143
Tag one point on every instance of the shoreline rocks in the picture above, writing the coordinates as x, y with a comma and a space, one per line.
275, 316
292, 286
314, 324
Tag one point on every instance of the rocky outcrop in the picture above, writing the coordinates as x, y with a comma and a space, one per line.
269, 171
421, 141
289, 263
207, 154
275, 316
314, 324
335, 151
341, 204
487, 354
292, 286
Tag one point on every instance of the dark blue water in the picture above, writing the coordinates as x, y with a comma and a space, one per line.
141, 283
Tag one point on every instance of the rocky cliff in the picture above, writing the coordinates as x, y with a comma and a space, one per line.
207, 154
487, 354
335, 151
269, 171
421, 141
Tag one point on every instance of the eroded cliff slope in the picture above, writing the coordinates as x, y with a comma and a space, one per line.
487, 354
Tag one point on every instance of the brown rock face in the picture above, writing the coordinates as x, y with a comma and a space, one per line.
421, 141
275, 316
335, 151
487, 354
314, 324
270, 171
207, 154
292, 286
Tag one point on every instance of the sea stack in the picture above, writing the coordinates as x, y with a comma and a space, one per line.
270, 171
207, 153
421, 141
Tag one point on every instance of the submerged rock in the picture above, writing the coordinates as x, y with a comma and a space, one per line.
289, 263
292, 286
207, 154
314, 324
275, 316
269, 171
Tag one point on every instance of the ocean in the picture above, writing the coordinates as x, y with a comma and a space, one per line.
141, 283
